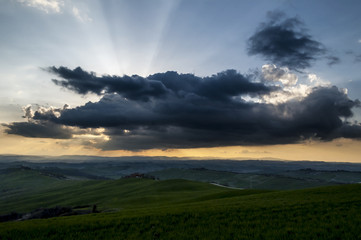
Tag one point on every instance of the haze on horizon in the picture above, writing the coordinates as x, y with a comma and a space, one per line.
220, 79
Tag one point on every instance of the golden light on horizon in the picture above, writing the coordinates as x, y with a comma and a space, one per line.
340, 150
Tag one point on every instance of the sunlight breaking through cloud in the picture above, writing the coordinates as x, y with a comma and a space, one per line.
47, 6
58, 7
171, 110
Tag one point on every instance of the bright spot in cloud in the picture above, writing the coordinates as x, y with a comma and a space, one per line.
312, 77
81, 16
290, 88
316, 80
288, 81
58, 6
271, 72
47, 6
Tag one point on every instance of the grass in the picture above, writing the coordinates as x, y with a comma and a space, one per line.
180, 209
287, 223
287, 181
113, 194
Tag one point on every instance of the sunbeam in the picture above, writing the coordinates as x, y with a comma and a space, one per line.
197, 76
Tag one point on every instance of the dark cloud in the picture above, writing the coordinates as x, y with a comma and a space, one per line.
38, 130
358, 58
221, 86
229, 84
332, 60
285, 42
132, 87
318, 116
201, 112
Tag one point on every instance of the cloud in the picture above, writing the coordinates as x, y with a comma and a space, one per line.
179, 124
271, 72
222, 86
80, 15
289, 86
42, 124
285, 42
59, 6
38, 130
192, 111
332, 60
48, 6
28, 112
132, 87
358, 58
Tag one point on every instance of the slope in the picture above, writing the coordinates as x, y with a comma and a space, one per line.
320, 213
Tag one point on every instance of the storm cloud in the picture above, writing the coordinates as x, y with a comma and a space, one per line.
285, 42
195, 112
36, 129
221, 86
132, 87
173, 110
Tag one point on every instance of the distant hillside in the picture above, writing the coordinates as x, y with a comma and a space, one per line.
92, 167
113, 194
249, 174
277, 181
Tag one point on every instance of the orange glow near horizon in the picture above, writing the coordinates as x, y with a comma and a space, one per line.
341, 150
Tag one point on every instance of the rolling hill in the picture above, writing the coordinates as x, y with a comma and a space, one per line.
181, 204
180, 209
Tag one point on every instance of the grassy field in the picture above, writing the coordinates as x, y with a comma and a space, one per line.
181, 209
287, 181
21, 184
116, 194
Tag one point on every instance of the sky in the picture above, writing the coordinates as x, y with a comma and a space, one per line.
226, 79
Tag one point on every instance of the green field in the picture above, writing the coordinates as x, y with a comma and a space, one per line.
281, 181
179, 209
